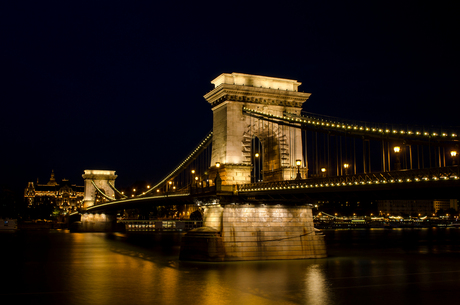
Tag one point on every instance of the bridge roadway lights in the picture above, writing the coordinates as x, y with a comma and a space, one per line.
236, 232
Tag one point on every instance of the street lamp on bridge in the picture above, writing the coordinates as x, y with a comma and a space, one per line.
217, 180
192, 176
346, 166
256, 168
323, 172
298, 162
397, 150
454, 154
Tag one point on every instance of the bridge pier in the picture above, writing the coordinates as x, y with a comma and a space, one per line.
95, 223
238, 232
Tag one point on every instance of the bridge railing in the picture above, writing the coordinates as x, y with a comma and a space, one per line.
403, 176
169, 193
160, 225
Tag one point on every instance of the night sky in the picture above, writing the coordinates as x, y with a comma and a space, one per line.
119, 84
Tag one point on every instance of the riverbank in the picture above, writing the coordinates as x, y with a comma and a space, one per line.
388, 224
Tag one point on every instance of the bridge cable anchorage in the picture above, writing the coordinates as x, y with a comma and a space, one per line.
322, 123
187, 161
116, 190
101, 192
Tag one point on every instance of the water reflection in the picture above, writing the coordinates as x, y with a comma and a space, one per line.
395, 266
316, 286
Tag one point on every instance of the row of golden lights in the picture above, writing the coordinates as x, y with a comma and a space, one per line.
191, 155
170, 182
353, 127
340, 184
397, 149
148, 187
381, 213
298, 164
323, 170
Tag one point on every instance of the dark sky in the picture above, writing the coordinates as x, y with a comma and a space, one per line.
119, 84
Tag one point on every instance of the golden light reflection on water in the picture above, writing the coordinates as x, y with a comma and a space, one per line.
316, 286
72, 268
106, 274
243, 283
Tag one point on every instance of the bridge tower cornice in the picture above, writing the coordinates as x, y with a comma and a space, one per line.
99, 174
255, 95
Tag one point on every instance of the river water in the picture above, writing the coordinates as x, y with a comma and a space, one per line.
373, 266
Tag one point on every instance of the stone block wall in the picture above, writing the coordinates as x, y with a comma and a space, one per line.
212, 217
257, 232
95, 223
235, 174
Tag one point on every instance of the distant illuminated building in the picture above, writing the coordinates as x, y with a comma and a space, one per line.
409, 207
65, 196
441, 205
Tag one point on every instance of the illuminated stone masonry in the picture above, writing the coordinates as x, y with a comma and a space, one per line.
95, 223
233, 131
254, 232
101, 179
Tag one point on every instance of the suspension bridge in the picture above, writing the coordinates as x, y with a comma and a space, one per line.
267, 158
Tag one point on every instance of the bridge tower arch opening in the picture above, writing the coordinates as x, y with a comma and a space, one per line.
233, 130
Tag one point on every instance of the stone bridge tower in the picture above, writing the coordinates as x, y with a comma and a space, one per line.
101, 178
233, 131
